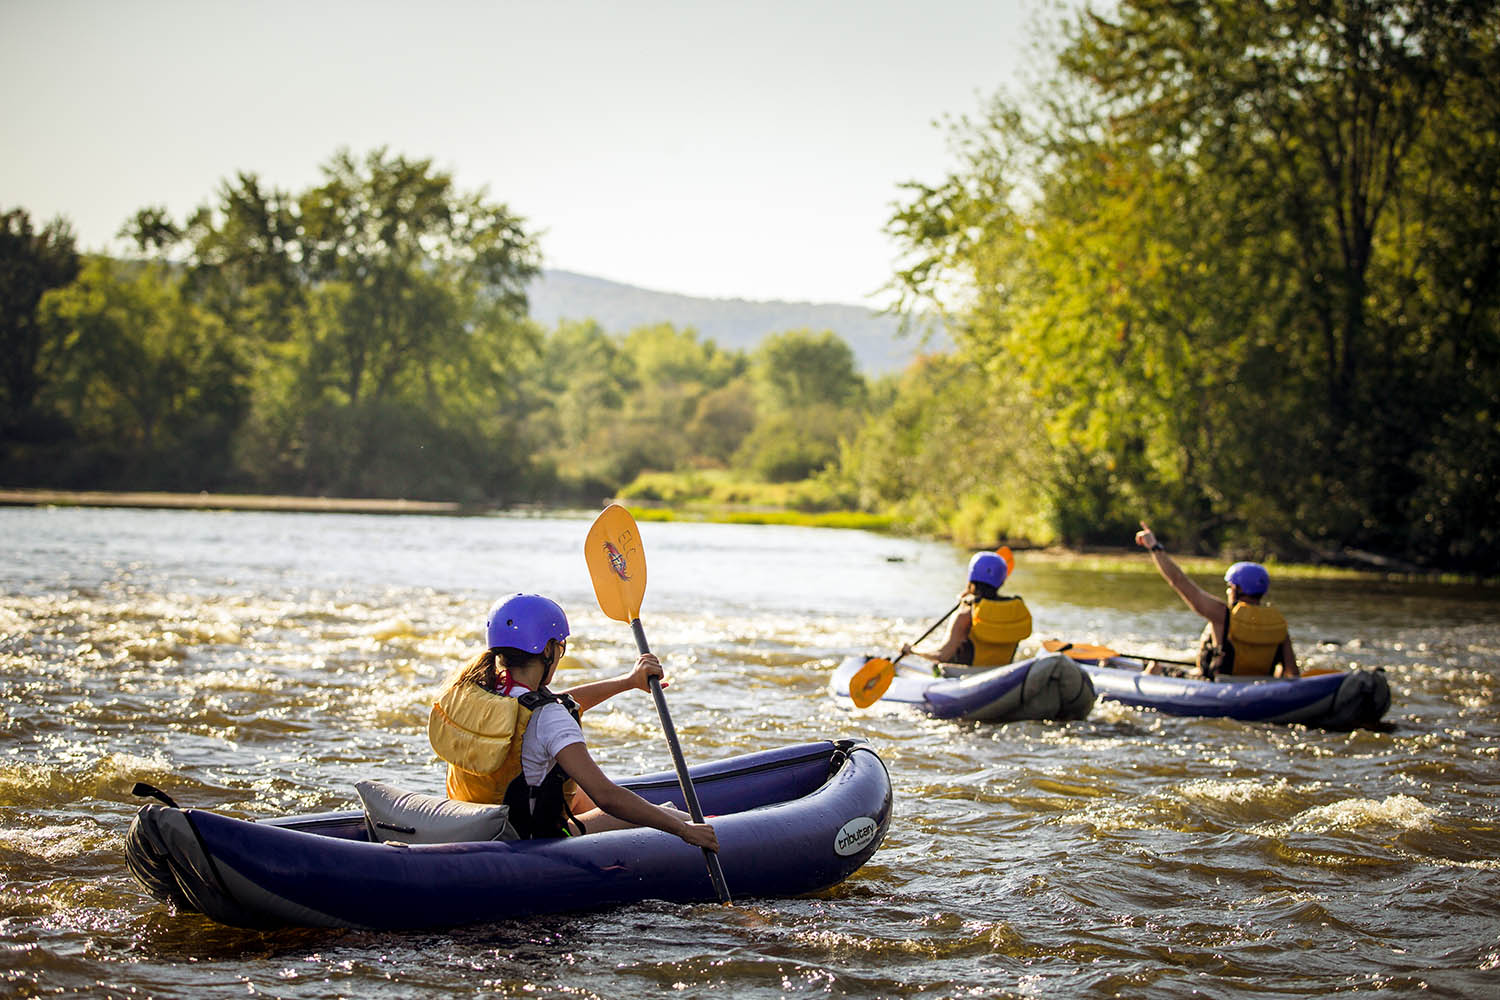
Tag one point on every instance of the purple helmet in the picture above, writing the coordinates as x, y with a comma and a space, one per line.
1251, 578
525, 622
987, 567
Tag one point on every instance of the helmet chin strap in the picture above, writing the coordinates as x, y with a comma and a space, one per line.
551, 661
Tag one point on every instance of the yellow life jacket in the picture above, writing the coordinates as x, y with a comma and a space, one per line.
996, 627
479, 734
1253, 636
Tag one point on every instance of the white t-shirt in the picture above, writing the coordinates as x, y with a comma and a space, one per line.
550, 730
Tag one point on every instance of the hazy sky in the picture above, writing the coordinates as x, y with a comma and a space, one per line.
736, 150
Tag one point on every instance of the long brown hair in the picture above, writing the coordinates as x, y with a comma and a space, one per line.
984, 591
484, 669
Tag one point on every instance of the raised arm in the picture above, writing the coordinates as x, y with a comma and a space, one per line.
1200, 600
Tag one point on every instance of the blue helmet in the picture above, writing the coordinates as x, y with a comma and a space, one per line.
525, 622
987, 567
1251, 578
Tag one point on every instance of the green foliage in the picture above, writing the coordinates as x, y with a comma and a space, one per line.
951, 453
31, 263
377, 310
142, 374
1241, 261
722, 419
798, 369
133, 354
367, 337
722, 492
670, 359
602, 412
789, 445
616, 409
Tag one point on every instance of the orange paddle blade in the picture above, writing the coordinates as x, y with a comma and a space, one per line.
871, 681
1005, 553
1078, 650
617, 563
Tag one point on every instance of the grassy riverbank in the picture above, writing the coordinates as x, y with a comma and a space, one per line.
1120, 559
224, 501
731, 514
722, 497
1127, 558
643, 510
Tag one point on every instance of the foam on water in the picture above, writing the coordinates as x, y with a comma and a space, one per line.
1394, 813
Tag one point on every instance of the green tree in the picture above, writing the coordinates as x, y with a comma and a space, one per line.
571, 391
425, 269
673, 373
671, 359
787, 445
142, 375
808, 398
949, 454
1201, 252
799, 368
1311, 117
721, 421
579, 379
1441, 270
604, 408
378, 311
31, 263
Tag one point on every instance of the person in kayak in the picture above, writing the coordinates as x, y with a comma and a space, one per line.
989, 625
1245, 639
508, 739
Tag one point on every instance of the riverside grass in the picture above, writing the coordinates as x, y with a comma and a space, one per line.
1120, 560
725, 515
719, 496
766, 511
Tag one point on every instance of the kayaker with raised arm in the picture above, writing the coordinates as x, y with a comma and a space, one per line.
1244, 639
989, 625
508, 739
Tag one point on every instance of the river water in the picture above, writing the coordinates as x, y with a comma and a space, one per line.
260, 663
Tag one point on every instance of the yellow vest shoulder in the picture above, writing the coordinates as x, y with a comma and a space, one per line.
1256, 632
478, 734
996, 627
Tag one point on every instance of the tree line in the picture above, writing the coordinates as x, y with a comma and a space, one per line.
369, 337
1229, 266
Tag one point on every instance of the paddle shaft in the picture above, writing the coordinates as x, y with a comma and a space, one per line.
1105, 653
930, 630
684, 780
1158, 659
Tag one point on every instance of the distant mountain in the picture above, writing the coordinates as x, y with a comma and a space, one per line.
739, 324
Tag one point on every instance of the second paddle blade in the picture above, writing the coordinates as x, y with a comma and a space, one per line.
1079, 650
871, 681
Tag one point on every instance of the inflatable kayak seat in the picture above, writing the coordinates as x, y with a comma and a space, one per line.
414, 818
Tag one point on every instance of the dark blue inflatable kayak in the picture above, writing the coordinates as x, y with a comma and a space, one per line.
789, 821
1342, 700
1042, 687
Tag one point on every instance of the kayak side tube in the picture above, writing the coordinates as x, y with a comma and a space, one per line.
1051, 686
1043, 687
1337, 701
812, 815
